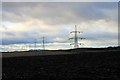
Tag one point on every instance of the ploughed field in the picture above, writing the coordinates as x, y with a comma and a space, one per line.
85, 65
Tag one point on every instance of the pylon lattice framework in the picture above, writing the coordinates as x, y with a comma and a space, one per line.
76, 38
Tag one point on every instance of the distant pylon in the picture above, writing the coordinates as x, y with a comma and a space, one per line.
35, 44
43, 43
76, 44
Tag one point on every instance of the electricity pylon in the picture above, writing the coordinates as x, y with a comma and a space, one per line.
43, 43
76, 38
35, 44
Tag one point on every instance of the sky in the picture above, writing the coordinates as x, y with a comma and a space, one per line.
60, 0
23, 22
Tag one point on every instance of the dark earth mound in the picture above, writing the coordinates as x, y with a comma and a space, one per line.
93, 65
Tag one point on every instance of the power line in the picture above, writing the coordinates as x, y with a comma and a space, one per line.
76, 38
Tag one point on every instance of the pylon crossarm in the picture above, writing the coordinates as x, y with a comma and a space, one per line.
75, 38
81, 44
72, 44
71, 38
72, 32
76, 32
81, 38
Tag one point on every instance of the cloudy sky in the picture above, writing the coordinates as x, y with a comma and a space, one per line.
23, 22
60, 0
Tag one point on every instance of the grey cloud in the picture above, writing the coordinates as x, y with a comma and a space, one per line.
57, 13
9, 34
99, 36
4, 27
29, 37
61, 1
